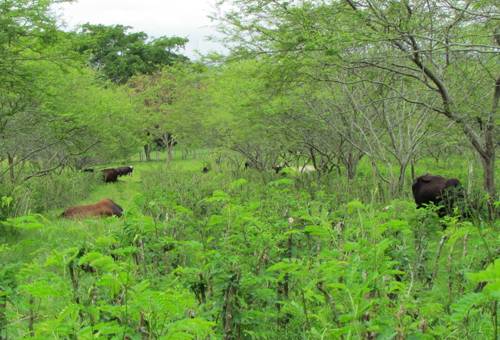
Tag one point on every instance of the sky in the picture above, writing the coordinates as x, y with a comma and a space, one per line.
185, 18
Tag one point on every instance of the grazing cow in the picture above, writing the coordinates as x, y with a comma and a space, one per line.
88, 170
105, 207
438, 190
110, 175
125, 170
205, 169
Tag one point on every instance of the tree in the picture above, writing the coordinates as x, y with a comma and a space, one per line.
447, 47
120, 54
171, 101
448, 51
70, 119
52, 110
29, 36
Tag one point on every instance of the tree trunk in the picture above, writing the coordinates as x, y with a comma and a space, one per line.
489, 175
170, 156
10, 159
170, 152
147, 152
351, 165
490, 145
401, 178
489, 182
412, 166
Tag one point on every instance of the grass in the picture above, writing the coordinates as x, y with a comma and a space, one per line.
54, 233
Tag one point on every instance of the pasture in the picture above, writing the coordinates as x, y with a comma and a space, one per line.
329, 171
250, 254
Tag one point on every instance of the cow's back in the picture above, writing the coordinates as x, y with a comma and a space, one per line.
427, 189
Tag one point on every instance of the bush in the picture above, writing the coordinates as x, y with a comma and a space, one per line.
50, 192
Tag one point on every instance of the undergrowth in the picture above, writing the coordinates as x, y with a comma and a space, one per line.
202, 256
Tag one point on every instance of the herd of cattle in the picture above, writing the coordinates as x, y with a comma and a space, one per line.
426, 189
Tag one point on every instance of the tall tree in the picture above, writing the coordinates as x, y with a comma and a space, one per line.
120, 54
28, 35
169, 104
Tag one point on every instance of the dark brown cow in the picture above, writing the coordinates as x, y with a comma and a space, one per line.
125, 170
436, 189
105, 207
110, 175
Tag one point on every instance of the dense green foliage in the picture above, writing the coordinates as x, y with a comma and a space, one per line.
249, 257
120, 55
352, 100
57, 114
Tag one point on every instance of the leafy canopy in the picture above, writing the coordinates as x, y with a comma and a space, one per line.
120, 54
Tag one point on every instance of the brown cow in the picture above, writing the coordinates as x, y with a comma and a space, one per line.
125, 170
105, 207
438, 190
110, 175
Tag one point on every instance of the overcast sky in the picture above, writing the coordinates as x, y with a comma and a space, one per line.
185, 18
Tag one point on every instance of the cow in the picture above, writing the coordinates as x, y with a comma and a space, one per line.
205, 169
105, 207
125, 170
110, 175
88, 170
438, 190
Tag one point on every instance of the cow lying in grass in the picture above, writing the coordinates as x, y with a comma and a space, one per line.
105, 207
